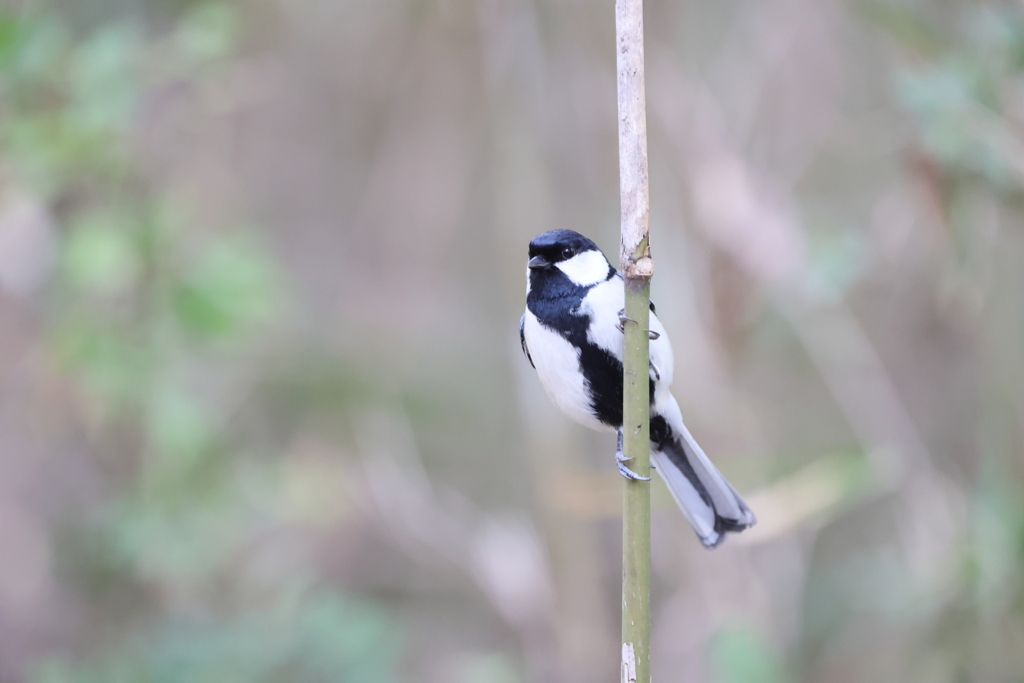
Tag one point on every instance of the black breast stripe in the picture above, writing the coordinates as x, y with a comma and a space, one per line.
559, 311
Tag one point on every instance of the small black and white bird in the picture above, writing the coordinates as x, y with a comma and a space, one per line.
572, 334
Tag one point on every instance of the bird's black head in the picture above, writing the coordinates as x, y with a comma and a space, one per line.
555, 246
568, 257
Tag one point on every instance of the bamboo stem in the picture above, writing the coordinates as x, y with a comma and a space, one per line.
637, 268
636, 513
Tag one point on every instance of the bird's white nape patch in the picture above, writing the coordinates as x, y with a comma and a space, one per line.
585, 268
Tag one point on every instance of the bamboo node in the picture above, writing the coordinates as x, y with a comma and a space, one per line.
641, 269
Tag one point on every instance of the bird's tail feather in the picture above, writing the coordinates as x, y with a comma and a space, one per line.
710, 503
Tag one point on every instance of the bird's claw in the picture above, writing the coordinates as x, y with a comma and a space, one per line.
656, 371
651, 334
623, 320
620, 461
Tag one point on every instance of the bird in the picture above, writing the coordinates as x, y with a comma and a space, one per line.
572, 334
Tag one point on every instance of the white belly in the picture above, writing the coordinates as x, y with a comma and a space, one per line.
558, 366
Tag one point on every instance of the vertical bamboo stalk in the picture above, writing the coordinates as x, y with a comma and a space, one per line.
637, 268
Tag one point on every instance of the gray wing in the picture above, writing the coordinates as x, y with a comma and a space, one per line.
522, 341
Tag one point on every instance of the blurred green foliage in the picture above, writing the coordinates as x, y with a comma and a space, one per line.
961, 81
741, 656
312, 638
965, 96
143, 302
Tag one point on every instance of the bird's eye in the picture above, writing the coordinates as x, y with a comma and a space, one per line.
568, 253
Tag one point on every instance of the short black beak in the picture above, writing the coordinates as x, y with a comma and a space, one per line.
538, 262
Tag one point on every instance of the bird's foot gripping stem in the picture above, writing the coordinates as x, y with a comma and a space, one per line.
651, 334
623, 320
621, 460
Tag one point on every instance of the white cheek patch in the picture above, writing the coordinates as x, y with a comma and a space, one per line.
586, 268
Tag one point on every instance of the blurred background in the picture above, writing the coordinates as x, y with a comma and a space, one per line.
263, 411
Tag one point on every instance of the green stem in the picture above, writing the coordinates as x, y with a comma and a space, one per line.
636, 521
637, 268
